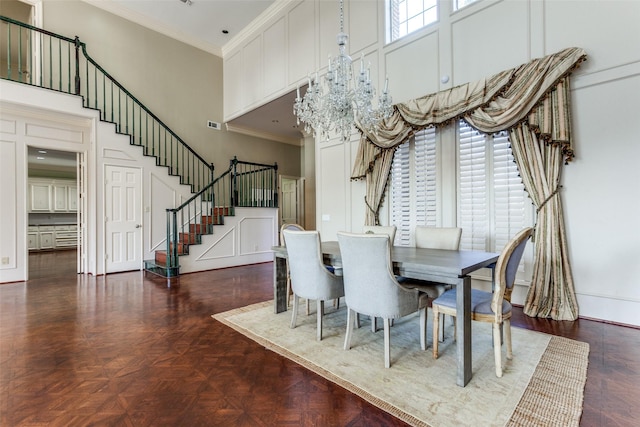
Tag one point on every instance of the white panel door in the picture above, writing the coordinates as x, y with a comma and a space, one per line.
123, 224
289, 203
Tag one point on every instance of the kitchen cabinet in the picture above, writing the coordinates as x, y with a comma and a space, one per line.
40, 197
66, 236
46, 195
46, 237
72, 198
52, 237
60, 198
33, 240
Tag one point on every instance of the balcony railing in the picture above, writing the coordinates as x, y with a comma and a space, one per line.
41, 58
37, 57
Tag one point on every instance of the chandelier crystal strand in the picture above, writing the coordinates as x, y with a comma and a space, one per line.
346, 101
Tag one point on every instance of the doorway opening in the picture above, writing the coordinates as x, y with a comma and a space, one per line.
54, 212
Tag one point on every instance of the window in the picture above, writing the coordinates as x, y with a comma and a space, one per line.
413, 185
407, 16
469, 180
492, 203
459, 4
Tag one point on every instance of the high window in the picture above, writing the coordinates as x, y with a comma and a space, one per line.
407, 16
459, 4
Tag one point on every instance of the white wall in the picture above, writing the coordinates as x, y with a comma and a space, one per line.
244, 239
600, 185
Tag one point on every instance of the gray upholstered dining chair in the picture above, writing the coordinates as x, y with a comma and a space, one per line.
371, 287
438, 237
310, 278
435, 238
494, 307
296, 227
389, 230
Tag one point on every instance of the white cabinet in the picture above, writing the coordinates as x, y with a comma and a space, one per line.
66, 236
52, 237
53, 195
33, 240
60, 198
72, 198
46, 237
40, 197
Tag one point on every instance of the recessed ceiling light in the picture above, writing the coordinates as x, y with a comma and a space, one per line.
42, 151
39, 158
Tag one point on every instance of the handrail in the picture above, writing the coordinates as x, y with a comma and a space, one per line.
243, 184
100, 91
149, 112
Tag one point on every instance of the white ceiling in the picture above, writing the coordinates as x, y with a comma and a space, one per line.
198, 22
51, 160
201, 24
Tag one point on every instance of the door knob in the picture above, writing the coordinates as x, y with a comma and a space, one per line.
138, 225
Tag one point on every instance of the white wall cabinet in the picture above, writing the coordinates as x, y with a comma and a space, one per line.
60, 197
53, 195
39, 197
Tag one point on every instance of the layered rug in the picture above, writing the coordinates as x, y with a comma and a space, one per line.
543, 385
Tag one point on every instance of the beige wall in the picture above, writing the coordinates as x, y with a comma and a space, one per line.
181, 84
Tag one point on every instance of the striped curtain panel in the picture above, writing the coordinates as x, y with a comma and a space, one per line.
532, 103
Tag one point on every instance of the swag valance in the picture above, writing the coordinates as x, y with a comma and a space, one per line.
532, 103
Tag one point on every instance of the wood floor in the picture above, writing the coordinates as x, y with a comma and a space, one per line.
128, 350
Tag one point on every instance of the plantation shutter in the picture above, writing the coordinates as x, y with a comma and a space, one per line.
493, 205
425, 161
472, 188
414, 185
510, 199
401, 193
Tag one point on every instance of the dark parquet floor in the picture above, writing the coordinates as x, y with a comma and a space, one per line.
128, 350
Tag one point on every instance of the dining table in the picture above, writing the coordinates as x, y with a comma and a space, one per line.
452, 267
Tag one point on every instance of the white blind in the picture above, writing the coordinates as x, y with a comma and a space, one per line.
493, 204
413, 185
473, 203
401, 193
509, 198
425, 165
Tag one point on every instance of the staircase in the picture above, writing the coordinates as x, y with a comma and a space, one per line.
68, 68
161, 265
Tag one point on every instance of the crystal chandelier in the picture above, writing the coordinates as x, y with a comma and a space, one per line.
342, 100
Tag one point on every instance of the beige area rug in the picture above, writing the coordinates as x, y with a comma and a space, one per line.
542, 385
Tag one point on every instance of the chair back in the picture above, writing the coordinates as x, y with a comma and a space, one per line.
438, 237
309, 277
389, 230
507, 267
370, 287
288, 227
